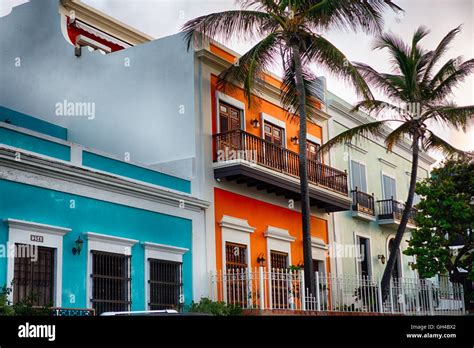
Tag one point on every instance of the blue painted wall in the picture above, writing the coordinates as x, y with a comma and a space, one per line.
34, 144
19, 119
129, 170
50, 207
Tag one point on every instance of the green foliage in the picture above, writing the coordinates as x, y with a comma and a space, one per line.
445, 216
23, 307
219, 308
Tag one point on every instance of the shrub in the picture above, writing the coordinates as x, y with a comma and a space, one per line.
219, 308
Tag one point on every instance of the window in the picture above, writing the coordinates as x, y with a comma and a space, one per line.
236, 264
110, 282
273, 134
364, 256
389, 187
34, 276
279, 262
312, 151
165, 284
358, 176
229, 117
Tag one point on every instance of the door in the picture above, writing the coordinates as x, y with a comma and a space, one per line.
364, 257
229, 120
33, 278
314, 157
273, 147
165, 284
279, 282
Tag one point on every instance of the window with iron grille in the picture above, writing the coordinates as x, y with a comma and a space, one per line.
165, 282
111, 285
279, 260
33, 276
235, 256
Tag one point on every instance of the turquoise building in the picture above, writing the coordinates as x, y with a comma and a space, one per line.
83, 229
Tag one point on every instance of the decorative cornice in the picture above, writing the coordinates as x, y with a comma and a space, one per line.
357, 148
106, 238
279, 233
387, 163
58, 169
37, 227
318, 243
236, 224
104, 22
164, 248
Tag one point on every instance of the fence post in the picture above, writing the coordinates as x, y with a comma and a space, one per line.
261, 288
318, 300
461, 292
302, 291
379, 296
430, 297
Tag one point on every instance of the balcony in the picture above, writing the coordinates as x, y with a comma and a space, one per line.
390, 213
248, 159
363, 205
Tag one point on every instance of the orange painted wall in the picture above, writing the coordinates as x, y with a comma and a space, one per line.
259, 215
257, 106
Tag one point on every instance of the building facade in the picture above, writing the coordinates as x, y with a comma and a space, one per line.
378, 182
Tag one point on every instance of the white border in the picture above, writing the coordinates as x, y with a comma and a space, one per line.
235, 230
107, 243
231, 101
363, 235
313, 139
278, 239
159, 252
19, 231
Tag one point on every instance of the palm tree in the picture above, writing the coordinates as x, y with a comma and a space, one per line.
419, 97
289, 33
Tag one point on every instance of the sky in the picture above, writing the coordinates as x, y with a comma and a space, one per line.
160, 18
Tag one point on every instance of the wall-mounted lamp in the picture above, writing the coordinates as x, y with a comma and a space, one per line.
411, 265
77, 246
294, 140
255, 123
261, 259
381, 258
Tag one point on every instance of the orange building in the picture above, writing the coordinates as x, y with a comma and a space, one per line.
255, 194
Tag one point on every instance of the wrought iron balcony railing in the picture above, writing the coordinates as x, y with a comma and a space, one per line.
392, 209
363, 202
240, 145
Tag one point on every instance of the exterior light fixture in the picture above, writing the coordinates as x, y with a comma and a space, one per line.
261, 259
381, 258
411, 265
255, 123
77, 246
294, 140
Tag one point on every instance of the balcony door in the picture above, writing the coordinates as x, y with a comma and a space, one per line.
229, 120
274, 136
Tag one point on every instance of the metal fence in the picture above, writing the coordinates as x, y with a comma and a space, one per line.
283, 289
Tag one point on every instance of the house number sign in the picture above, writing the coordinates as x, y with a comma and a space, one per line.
35, 238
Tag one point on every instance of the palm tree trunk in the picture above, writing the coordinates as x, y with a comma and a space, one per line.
303, 167
387, 274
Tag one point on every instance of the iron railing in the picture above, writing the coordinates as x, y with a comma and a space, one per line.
240, 145
284, 289
392, 209
363, 202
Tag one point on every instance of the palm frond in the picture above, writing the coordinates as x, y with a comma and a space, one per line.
448, 77
396, 135
343, 14
321, 51
365, 130
222, 26
249, 69
452, 115
440, 50
381, 107
434, 142
390, 85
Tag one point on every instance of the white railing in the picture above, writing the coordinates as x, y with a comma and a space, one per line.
283, 289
